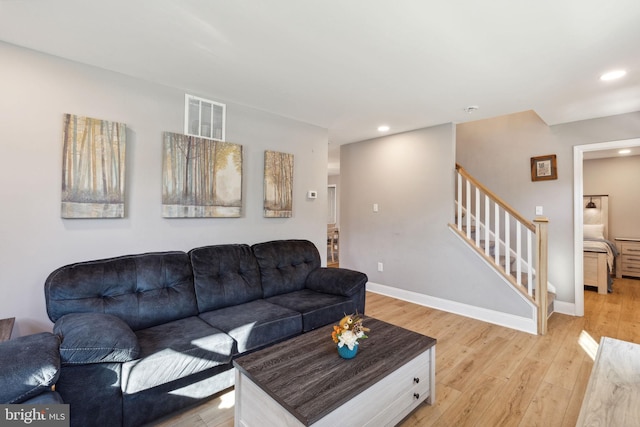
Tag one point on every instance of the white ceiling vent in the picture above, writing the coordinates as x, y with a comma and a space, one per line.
204, 118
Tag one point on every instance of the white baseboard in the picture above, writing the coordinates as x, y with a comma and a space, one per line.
497, 318
564, 308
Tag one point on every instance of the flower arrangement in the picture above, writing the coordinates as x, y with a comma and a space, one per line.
349, 331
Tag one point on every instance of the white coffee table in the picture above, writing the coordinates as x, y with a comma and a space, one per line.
303, 381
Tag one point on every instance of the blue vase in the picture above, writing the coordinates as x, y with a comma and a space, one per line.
345, 353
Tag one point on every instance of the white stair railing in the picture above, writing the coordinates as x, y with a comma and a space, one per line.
496, 231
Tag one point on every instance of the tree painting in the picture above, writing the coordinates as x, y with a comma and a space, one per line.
93, 166
278, 185
201, 177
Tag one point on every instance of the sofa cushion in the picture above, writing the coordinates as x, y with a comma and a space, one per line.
116, 342
285, 265
143, 290
225, 275
144, 408
175, 350
317, 309
255, 324
30, 365
45, 398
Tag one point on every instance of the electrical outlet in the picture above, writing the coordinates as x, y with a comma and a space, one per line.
380, 267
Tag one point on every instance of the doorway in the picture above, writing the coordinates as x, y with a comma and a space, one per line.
578, 193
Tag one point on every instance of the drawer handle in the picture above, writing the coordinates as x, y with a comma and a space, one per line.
416, 395
416, 380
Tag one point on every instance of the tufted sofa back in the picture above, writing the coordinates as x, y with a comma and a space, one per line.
143, 290
154, 288
225, 275
285, 265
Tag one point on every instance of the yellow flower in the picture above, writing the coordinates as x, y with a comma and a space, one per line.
334, 334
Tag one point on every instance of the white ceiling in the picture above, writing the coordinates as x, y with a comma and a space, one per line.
351, 65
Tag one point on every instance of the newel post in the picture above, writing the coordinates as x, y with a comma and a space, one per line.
542, 256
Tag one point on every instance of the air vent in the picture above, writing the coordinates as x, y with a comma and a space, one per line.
204, 118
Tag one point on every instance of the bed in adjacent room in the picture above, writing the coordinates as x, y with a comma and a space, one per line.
599, 251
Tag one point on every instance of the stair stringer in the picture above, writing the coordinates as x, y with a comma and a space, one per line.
522, 291
525, 265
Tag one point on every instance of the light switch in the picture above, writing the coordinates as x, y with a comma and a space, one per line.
375, 207
539, 210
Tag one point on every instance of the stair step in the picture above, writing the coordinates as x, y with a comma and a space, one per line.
502, 259
551, 297
524, 278
492, 243
472, 230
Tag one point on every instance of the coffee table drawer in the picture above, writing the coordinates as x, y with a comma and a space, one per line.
408, 389
375, 406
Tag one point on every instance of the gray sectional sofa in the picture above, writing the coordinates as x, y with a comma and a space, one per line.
145, 335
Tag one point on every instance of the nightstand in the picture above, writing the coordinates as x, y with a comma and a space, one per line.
628, 259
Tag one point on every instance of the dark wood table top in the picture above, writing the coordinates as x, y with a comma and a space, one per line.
307, 376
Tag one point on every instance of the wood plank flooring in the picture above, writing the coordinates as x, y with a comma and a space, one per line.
488, 375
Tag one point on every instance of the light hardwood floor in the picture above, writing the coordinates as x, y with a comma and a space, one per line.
488, 375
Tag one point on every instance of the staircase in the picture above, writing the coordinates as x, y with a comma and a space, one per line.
513, 246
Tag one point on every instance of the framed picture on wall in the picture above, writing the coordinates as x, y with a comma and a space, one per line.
544, 168
93, 168
278, 185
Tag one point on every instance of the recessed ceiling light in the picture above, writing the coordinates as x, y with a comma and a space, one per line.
612, 75
625, 151
383, 128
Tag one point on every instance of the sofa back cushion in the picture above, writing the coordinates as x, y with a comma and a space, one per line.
144, 290
225, 275
285, 265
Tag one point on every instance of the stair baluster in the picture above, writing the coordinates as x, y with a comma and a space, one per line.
493, 240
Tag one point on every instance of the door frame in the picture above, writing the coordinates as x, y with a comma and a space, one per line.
578, 193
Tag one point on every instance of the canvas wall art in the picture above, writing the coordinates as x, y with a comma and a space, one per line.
278, 185
93, 168
201, 177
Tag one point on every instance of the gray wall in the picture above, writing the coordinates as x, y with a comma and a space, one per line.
497, 152
568, 135
619, 177
410, 176
36, 90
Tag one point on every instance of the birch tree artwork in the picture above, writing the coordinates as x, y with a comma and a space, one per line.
201, 177
93, 168
278, 185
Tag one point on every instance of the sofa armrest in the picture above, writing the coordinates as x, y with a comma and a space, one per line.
336, 281
95, 338
30, 366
